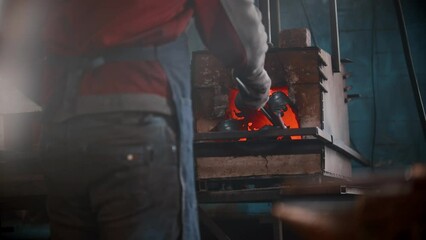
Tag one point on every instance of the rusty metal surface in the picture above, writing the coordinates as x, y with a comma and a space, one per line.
319, 97
298, 37
211, 82
207, 71
308, 98
221, 155
256, 166
303, 70
294, 65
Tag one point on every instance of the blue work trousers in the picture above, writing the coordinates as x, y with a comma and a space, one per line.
113, 176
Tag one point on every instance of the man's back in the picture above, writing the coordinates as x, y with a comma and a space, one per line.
84, 26
120, 69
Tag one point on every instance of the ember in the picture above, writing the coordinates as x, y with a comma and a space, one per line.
258, 120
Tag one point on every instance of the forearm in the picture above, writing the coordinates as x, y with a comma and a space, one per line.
232, 30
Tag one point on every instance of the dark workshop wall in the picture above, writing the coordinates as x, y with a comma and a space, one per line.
384, 122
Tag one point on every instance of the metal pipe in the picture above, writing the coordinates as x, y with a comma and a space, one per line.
275, 22
265, 9
335, 46
410, 65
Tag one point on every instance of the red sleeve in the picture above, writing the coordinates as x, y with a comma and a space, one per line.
232, 30
218, 34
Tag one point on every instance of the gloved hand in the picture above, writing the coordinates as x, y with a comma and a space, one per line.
258, 86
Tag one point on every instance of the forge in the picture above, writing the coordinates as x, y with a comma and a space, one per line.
316, 141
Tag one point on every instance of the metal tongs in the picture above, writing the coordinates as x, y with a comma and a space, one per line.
274, 118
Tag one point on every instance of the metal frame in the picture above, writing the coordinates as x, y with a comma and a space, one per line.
275, 194
275, 22
335, 45
265, 9
220, 144
270, 10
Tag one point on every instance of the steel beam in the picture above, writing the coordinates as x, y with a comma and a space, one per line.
265, 9
335, 46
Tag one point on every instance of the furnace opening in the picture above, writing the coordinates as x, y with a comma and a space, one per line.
258, 120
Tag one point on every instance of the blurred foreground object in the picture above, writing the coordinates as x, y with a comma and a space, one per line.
395, 210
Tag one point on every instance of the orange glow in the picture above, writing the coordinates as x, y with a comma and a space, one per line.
257, 120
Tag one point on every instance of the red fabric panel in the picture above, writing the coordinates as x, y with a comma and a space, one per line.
81, 26
218, 33
126, 77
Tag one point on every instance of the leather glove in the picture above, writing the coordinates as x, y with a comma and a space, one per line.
258, 86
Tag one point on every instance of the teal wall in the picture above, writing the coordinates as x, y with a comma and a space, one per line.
383, 122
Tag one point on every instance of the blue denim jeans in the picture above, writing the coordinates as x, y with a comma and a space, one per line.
113, 176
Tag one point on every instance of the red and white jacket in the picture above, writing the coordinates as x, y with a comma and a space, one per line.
80, 27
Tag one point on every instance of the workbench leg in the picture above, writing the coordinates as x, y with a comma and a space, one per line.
211, 225
278, 230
